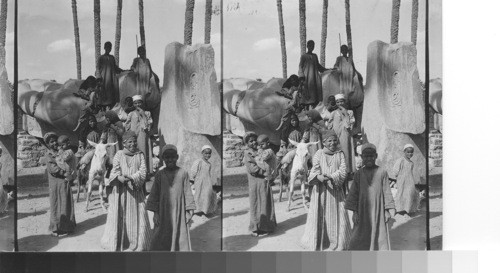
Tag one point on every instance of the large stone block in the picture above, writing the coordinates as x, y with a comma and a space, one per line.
6, 104
393, 113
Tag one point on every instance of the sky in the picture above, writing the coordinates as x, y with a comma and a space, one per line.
46, 37
9, 41
251, 38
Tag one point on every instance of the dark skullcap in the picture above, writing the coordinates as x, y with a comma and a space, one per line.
168, 147
112, 116
326, 134
129, 134
314, 115
368, 146
248, 135
262, 138
62, 139
48, 136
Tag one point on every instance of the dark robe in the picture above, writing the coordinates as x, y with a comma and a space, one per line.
347, 72
262, 217
370, 196
108, 71
310, 69
171, 198
62, 212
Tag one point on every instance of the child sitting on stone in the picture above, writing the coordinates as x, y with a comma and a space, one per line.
66, 158
266, 159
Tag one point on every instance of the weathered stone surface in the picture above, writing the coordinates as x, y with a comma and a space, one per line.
30, 153
435, 149
393, 113
6, 104
190, 74
190, 104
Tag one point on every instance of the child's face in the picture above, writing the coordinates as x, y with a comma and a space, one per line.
108, 121
294, 121
64, 145
310, 47
138, 104
207, 153
92, 123
130, 144
52, 144
409, 153
141, 52
81, 145
331, 143
369, 156
331, 107
170, 158
264, 144
252, 142
107, 48
340, 102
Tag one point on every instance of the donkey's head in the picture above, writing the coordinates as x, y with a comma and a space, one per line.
301, 156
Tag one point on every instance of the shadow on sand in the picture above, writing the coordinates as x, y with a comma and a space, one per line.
207, 236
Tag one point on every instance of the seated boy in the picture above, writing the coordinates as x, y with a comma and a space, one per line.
173, 204
372, 204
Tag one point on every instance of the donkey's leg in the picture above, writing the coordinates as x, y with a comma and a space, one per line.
290, 191
281, 184
303, 192
79, 185
89, 192
101, 195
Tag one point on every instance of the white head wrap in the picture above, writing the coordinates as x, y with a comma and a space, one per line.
408, 146
339, 97
206, 147
136, 98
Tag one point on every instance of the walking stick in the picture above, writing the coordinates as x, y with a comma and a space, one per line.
124, 215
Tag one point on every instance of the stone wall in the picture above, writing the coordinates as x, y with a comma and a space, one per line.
232, 150
435, 149
29, 151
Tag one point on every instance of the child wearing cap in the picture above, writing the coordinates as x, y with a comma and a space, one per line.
371, 202
66, 158
342, 123
173, 204
139, 121
402, 178
201, 177
266, 158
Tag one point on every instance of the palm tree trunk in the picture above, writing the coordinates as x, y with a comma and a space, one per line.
118, 32
97, 29
348, 27
141, 23
324, 26
282, 37
414, 21
77, 41
302, 26
395, 21
208, 21
188, 22
3, 31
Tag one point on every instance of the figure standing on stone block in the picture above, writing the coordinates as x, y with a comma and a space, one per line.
173, 205
402, 179
108, 71
345, 67
309, 73
142, 67
140, 121
203, 182
372, 204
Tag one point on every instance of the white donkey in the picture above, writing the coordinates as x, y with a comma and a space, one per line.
97, 169
299, 170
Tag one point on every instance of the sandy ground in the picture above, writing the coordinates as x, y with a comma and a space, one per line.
7, 229
33, 221
405, 234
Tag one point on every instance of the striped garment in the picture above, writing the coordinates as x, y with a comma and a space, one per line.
337, 228
138, 230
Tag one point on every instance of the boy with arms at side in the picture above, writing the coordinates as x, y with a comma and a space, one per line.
371, 202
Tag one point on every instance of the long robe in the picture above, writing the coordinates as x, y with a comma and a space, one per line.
171, 198
345, 67
144, 75
406, 198
310, 68
262, 216
139, 125
370, 196
204, 195
336, 228
62, 211
108, 70
127, 201
341, 124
